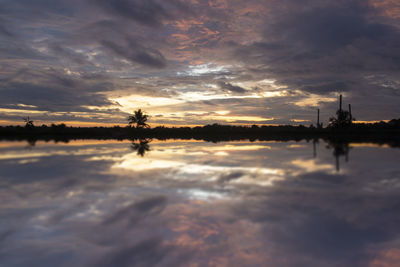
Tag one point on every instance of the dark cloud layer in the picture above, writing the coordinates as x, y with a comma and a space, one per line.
146, 12
53, 90
325, 47
137, 53
231, 88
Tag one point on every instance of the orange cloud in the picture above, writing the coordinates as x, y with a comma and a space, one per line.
390, 8
232, 242
387, 258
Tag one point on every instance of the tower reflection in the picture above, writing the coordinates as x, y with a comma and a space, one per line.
340, 148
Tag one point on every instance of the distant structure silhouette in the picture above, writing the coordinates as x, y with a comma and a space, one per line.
351, 116
343, 118
139, 118
319, 125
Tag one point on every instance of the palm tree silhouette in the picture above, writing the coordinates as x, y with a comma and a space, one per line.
139, 118
28, 122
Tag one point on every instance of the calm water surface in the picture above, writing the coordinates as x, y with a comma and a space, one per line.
183, 203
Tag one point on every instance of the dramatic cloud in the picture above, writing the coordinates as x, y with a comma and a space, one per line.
273, 59
53, 90
136, 53
328, 47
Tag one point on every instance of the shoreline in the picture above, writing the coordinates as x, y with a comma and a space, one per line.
209, 133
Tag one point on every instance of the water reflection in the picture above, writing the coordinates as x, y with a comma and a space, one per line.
141, 146
103, 203
340, 148
30, 143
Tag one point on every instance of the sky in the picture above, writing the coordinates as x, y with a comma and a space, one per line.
197, 62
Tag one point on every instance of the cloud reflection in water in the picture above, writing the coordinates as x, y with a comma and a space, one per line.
238, 203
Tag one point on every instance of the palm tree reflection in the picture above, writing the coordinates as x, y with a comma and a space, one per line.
141, 146
30, 143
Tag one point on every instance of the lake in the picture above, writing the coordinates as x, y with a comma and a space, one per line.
195, 203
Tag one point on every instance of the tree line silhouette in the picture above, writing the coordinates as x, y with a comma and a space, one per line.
381, 132
341, 126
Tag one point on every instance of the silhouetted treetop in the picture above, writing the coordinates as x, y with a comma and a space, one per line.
138, 118
28, 122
